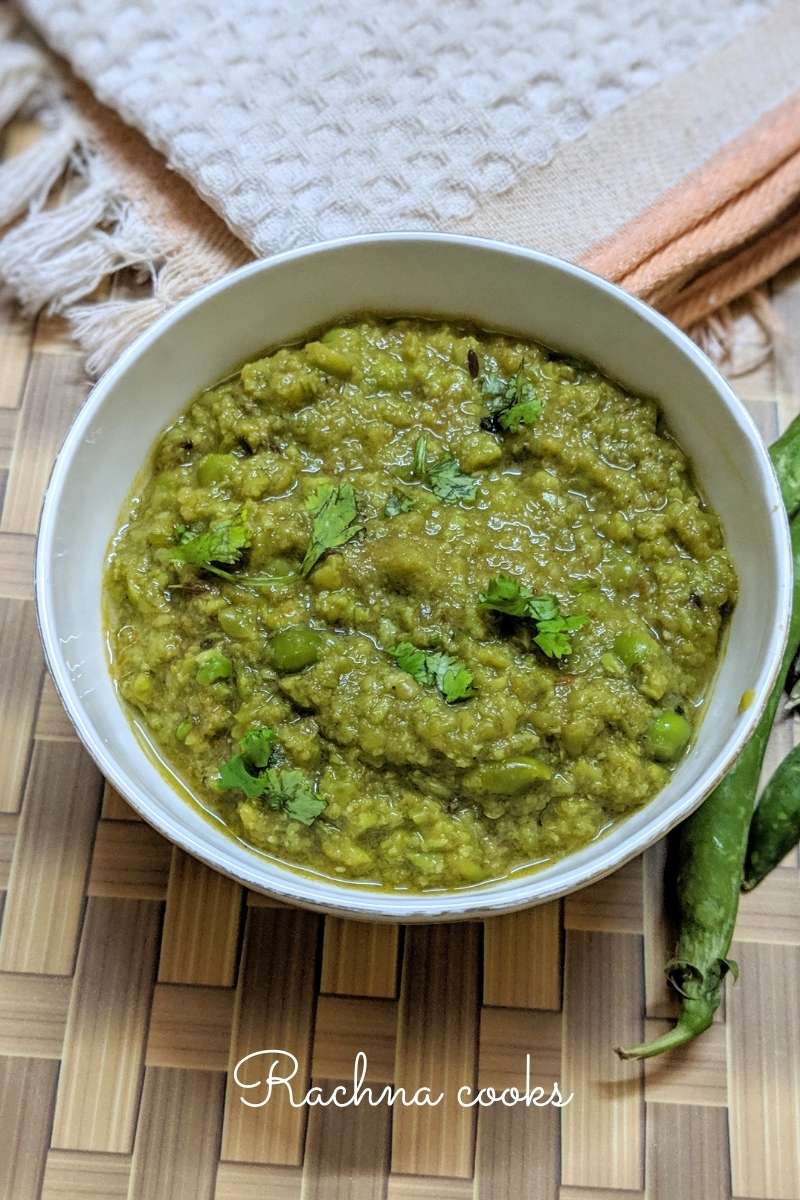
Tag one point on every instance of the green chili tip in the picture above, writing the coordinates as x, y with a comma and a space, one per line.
696, 1017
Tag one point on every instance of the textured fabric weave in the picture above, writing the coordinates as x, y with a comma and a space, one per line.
302, 121
654, 143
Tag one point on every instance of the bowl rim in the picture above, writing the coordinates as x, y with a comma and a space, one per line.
322, 894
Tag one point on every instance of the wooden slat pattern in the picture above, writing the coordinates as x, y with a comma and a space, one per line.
507, 1037
274, 1006
132, 979
411, 1187
359, 959
535, 981
190, 1027
764, 1073
614, 905
98, 1089
436, 1049
177, 1137
16, 565
19, 653
27, 1086
604, 986
54, 390
33, 1014
52, 723
243, 1181
16, 335
201, 929
687, 1153
114, 807
70, 1174
659, 936
8, 838
344, 1026
130, 860
8, 428
346, 1153
46, 885
696, 1074
517, 1153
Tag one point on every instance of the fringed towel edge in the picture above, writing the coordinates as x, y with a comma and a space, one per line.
66, 225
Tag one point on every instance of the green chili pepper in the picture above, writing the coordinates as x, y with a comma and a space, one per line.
775, 828
785, 455
711, 850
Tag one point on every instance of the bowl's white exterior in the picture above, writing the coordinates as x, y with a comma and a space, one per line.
497, 286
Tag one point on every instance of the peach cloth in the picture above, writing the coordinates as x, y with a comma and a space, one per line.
688, 195
726, 228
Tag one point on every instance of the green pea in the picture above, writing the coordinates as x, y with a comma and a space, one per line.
213, 468
183, 729
332, 361
633, 647
142, 685
280, 567
667, 735
295, 648
509, 778
211, 666
236, 623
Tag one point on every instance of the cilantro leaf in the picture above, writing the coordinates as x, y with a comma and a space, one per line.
435, 669
449, 483
512, 403
544, 608
506, 595
283, 788
219, 544
258, 744
234, 775
524, 413
335, 514
238, 772
397, 503
552, 637
444, 477
553, 628
452, 678
412, 660
292, 791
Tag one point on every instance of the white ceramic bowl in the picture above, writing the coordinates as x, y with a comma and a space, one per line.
499, 287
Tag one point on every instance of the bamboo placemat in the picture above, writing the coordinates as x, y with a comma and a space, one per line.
132, 978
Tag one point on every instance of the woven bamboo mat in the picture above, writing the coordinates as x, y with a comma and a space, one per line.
132, 978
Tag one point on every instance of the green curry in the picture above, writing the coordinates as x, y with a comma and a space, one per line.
416, 605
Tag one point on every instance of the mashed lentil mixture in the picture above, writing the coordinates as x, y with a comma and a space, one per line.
418, 605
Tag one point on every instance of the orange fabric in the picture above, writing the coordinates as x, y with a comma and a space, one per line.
685, 252
736, 276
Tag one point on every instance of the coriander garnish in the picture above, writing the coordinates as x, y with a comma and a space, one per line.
553, 629
444, 477
512, 403
222, 543
335, 521
432, 668
218, 544
282, 788
396, 504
